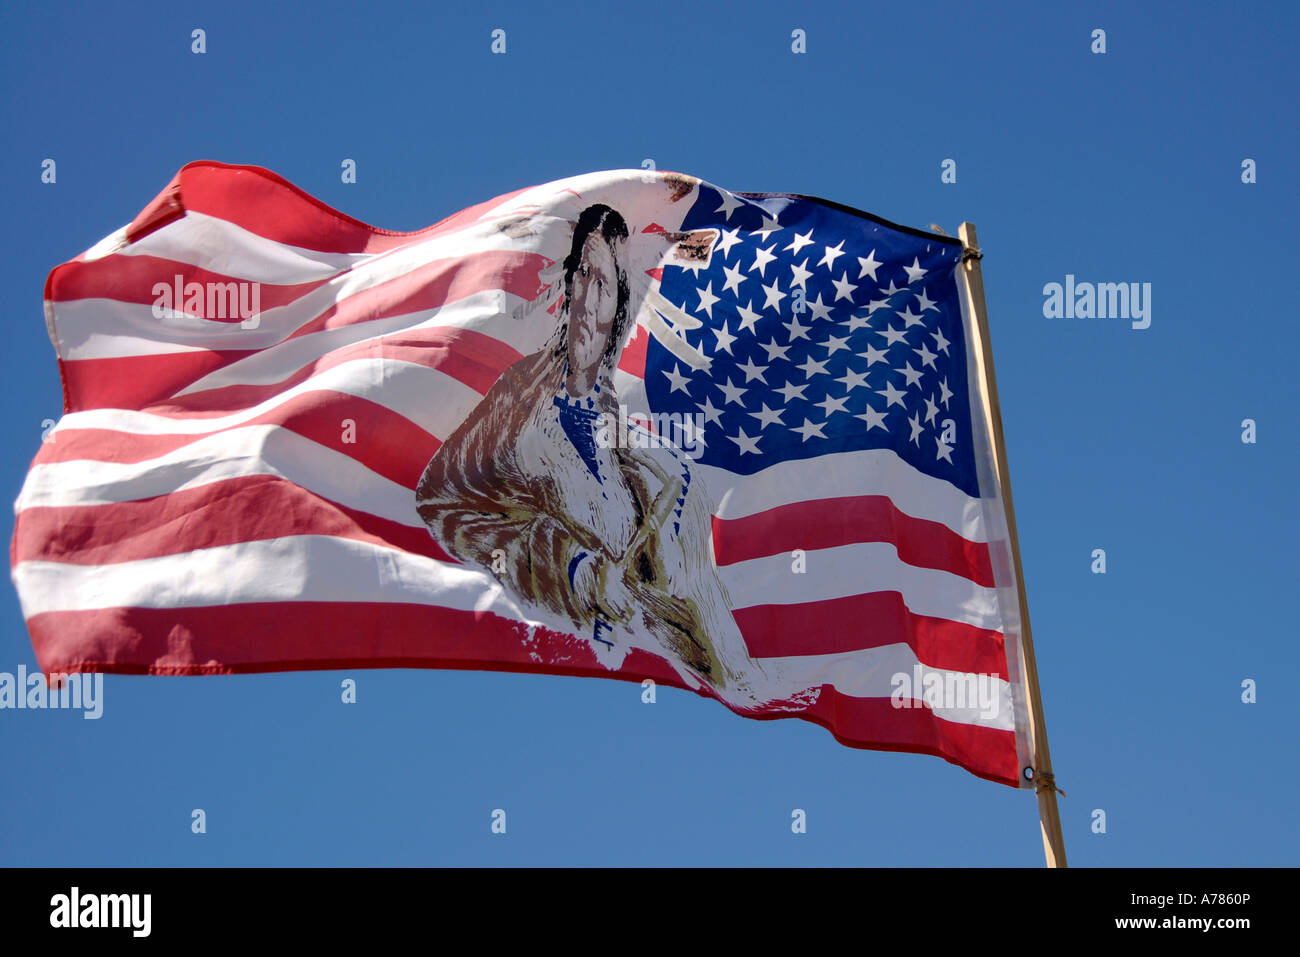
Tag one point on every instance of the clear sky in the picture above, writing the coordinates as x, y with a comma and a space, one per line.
1117, 167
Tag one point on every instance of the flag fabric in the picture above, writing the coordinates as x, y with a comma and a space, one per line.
626, 424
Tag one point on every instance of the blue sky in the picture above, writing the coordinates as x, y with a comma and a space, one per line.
1123, 166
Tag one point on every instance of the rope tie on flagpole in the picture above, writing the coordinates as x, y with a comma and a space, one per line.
1046, 781
971, 252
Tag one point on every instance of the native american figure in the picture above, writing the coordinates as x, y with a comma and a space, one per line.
615, 541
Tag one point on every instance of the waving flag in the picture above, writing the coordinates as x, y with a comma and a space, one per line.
627, 424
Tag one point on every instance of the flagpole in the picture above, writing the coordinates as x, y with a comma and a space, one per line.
1048, 816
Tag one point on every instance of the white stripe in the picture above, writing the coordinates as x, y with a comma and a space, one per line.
844, 474
859, 569
882, 672
433, 400
106, 246
295, 568
251, 450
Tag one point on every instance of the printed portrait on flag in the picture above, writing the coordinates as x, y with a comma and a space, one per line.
530, 487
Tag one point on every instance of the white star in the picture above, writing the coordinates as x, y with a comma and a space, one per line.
892, 290
729, 203
773, 350
768, 416
892, 395
745, 443
834, 344
812, 367
944, 393
830, 404
869, 265
710, 413
853, 379
874, 355
726, 239
753, 371
915, 423
876, 304
874, 419
940, 342
747, 317
819, 311
931, 410
911, 318
770, 225
693, 266
925, 302
732, 392
725, 339
912, 376
707, 299
859, 322
927, 357
761, 258
800, 275
843, 288
792, 391
734, 278
914, 271
832, 253
797, 331
809, 429
678, 381
774, 296
895, 336
942, 452
799, 242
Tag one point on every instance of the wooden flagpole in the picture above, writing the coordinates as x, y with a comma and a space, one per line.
1048, 816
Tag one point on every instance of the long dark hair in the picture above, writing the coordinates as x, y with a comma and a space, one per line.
612, 227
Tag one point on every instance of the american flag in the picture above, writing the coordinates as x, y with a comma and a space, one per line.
229, 494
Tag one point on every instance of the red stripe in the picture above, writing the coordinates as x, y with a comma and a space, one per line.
829, 523
633, 357
137, 382
838, 625
132, 279
470, 357
383, 441
297, 636
266, 204
165, 208
249, 508
987, 752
